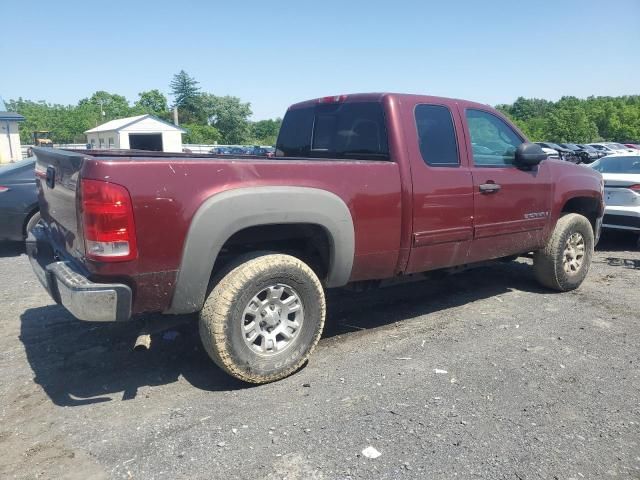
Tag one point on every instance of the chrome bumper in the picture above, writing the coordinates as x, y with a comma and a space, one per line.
86, 300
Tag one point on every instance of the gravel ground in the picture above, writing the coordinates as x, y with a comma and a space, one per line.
477, 375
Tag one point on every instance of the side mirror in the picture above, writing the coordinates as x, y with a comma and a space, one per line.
529, 155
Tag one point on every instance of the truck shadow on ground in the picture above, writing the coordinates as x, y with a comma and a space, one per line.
11, 249
618, 241
79, 363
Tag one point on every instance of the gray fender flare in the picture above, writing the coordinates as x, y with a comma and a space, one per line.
226, 213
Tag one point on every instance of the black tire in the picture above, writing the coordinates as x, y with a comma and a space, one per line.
549, 263
223, 317
35, 218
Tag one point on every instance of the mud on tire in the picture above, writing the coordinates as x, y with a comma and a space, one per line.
248, 322
564, 262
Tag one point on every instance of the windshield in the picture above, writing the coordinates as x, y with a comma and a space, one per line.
616, 146
629, 164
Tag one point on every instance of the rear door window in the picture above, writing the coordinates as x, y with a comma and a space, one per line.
436, 136
335, 130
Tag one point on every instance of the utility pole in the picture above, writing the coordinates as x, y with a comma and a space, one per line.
175, 116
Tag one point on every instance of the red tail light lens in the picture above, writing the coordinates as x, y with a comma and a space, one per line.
4, 189
635, 188
107, 219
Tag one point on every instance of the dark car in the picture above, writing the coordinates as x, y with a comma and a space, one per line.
584, 155
260, 151
18, 199
565, 153
221, 151
237, 151
594, 153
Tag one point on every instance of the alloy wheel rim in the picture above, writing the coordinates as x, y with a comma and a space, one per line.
272, 319
574, 250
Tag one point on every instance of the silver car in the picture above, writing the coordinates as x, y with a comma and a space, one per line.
621, 175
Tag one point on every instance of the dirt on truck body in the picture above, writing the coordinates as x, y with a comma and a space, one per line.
362, 188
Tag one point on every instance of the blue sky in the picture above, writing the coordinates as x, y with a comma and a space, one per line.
275, 53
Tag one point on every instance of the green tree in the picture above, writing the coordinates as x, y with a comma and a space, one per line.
572, 119
265, 132
526, 108
186, 95
66, 123
203, 134
152, 102
231, 117
183, 88
113, 105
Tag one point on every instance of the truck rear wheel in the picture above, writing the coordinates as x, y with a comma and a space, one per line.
564, 262
264, 318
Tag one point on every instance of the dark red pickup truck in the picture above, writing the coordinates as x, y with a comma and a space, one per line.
362, 188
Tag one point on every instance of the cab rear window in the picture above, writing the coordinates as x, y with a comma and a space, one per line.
334, 130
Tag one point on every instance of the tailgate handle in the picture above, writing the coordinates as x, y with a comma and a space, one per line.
51, 176
489, 187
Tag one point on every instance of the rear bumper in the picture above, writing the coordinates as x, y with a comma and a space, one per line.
622, 218
68, 286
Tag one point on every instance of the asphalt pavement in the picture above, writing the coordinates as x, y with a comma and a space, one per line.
477, 375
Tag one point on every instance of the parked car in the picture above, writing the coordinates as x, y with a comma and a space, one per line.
594, 153
584, 155
635, 146
257, 151
564, 153
262, 151
221, 151
621, 175
612, 147
237, 151
18, 199
356, 193
552, 153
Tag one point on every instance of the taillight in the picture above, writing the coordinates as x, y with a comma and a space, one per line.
107, 221
333, 99
635, 188
3, 189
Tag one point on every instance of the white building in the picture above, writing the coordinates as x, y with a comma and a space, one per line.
144, 132
10, 150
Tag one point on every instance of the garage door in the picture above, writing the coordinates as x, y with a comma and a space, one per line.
146, 141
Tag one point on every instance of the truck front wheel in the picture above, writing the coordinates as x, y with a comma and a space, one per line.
263, 319
564, 262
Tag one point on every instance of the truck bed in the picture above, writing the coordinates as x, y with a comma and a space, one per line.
167, 189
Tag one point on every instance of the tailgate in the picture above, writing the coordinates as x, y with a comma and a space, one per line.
57, 177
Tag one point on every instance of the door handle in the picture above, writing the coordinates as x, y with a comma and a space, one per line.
489, 187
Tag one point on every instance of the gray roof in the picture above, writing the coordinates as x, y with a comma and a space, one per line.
120, 123
13, 116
